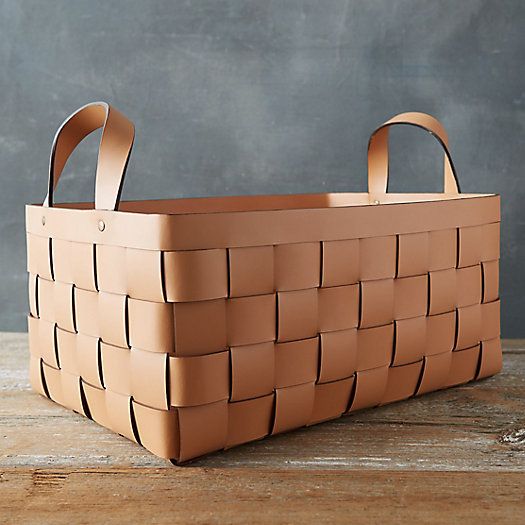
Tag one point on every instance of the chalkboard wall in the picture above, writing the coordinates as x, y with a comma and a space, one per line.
234, 97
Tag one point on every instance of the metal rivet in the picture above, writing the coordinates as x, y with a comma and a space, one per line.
376, 202
43, 220
101, 226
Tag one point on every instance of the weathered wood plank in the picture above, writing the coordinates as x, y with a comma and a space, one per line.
477, 427
513, 345
196, 495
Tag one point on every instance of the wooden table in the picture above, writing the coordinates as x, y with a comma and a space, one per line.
452, 455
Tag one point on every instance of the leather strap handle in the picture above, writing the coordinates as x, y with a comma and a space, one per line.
115, 147
378, 152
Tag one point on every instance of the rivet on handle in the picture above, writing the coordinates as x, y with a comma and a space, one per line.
101, 225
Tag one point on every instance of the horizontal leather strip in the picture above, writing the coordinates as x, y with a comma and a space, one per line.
192, 231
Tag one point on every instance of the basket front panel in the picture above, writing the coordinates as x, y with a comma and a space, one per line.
191, 351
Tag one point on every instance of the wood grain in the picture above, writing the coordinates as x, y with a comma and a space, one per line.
455, 454
247, 496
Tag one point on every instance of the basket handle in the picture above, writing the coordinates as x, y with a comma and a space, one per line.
378, 152
113, 155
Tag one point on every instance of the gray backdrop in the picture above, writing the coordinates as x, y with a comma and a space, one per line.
233, 97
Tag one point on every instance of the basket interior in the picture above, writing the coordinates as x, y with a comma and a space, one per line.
269, 202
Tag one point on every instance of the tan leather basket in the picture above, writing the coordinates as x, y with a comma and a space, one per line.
194, 325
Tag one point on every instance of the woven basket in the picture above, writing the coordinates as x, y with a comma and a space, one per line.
194, 325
